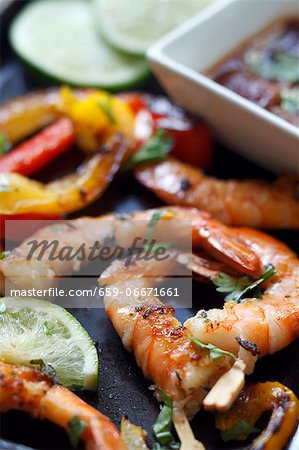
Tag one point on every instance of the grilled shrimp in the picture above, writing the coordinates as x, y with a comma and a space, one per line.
159, 341
29, 390
257, 327
242, 203
207, 233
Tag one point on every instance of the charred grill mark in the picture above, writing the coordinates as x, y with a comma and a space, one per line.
185, 184
177, 331
202, 313
276, 419
248, 345
104, 150
157, 309
139, 308
83, 194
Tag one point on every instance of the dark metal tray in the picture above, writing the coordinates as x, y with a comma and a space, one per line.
122, 388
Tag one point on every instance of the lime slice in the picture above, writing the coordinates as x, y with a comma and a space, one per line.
40, 330
58, 38
133, 25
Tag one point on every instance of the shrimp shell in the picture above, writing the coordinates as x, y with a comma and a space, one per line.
29, 390
242, 203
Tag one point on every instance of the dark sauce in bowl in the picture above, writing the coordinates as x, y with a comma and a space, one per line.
265, 70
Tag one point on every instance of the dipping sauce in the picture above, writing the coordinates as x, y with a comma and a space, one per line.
265, 70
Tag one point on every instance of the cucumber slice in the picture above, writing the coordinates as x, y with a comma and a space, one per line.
36, 329
58, 38
133, 25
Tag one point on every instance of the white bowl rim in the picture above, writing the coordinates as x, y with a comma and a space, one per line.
158, 54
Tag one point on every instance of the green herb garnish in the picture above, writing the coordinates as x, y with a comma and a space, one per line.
155, 149
3, 255
238, 288
290, 100
75, 428
280, 66
162, 426
46, 329
151, 227
45, 369
5, 144
106, 108
215, 352
2, 308
239, 429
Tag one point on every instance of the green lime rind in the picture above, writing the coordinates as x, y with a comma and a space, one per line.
65, 47
132, 26
34, 329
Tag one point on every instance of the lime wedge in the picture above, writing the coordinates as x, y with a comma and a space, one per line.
58, 38
133, 25
34, 330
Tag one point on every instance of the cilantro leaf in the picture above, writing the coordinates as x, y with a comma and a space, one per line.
162, 426
76, 426
280, 66
106, 108
3, 255
290, 100
239, 429
5, 144
215, 352
238, 288
155, 149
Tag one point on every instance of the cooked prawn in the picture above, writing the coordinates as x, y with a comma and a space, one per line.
257, 327
159, 341
245, 203
207, 233
29, 390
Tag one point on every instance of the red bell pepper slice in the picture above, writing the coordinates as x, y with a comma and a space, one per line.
193, 139
38, 151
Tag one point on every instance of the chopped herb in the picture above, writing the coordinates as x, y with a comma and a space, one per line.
3, 255
280, 66
76, 426
242, 428
13, 373
155, 149
290, 100
106, 107
153, 222
37, 362
2, 308
5, 144
162, 426
238, 288
46, 329
6, 188
215, 352
45, 369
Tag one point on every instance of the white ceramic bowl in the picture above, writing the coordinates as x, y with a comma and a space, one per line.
180, 58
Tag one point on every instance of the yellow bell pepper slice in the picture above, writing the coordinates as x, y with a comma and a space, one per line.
253, 401
96, 116
19, 194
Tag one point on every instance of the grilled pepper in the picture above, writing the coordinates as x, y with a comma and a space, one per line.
40, 150
253, 401
20, 195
